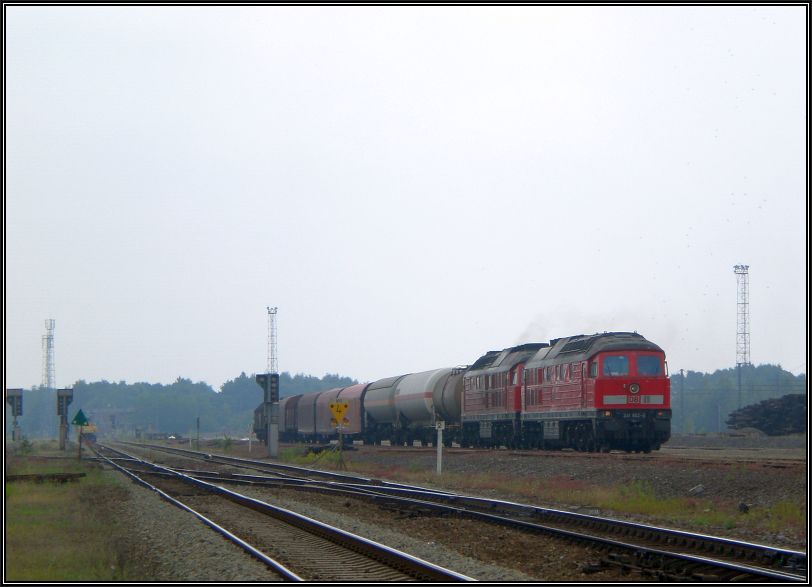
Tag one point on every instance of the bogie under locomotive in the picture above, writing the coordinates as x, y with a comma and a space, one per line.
588, 392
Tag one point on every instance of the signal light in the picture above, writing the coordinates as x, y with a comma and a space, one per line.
273, 387
269, 382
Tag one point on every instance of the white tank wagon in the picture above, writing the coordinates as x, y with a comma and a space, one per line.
379, 401
449, 402
423, 398
380, 414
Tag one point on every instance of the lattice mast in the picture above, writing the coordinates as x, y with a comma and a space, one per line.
48, 366
742, 315
742, 322
273, 359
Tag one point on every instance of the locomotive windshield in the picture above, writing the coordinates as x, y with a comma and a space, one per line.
649, 365
615, 365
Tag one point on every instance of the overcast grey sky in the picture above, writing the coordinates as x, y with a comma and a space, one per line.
410, 186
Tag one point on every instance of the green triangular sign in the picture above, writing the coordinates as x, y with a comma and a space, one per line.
79, 419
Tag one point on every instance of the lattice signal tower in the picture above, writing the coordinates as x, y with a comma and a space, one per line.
742, 315
48, 367
273, 359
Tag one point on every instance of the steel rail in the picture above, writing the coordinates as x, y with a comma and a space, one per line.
275, 565
404, 562
648, 559
266, 466
795, 560
788, 559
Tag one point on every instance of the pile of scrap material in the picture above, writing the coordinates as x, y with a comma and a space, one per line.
774, 417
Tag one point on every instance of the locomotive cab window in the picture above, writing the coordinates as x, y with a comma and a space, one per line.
593, 368
649, 365
615, 365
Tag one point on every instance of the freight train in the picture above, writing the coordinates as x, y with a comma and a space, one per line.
591, 393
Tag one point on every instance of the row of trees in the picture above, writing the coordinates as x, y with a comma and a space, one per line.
124, 407
701, 402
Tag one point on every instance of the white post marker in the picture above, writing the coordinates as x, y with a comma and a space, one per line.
440, 426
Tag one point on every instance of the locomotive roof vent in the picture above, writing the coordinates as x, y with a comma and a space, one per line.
501, 358
580, 344
530, 346
485, 360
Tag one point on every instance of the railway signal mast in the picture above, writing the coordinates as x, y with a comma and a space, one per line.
269, 382
15, 398
742, 322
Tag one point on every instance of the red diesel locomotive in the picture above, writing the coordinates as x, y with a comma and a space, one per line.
588, 392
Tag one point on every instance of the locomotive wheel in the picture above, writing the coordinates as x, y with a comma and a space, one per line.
576, 441
580, 438
583, 440
591, 445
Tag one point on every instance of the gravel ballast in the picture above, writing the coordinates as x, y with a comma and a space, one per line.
167, 544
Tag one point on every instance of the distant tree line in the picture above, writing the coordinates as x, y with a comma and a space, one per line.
701, 402
122, 408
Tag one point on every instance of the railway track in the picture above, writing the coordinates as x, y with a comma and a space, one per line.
659, 552
283, 540
723, 456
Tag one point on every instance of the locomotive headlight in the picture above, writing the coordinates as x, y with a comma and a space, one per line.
634, 388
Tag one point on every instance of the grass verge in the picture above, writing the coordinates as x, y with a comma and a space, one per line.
63, 531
